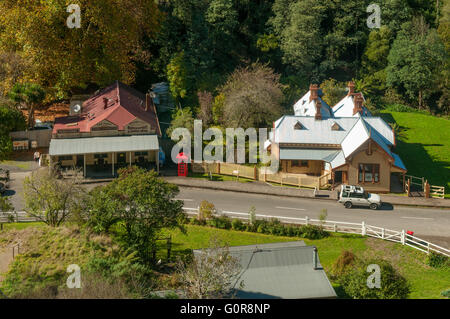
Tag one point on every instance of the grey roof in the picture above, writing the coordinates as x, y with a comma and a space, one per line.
282, 270
308, 154
107, 144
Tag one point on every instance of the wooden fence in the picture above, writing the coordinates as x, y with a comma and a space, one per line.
261, 174
422, 184
345, 227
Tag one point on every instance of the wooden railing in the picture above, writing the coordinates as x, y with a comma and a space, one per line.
346, 227
259, 174
437, 191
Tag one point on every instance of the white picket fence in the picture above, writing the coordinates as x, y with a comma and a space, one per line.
335, 226
346, 227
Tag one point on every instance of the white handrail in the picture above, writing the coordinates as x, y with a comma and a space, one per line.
388, 234
362, 228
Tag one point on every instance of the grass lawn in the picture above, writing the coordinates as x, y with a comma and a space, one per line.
423, 143
217, 177
426, 282
18, 164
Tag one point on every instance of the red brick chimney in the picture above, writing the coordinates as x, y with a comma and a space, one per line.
314, 88
357, 101
148, 101
105, 103
318, 115
351, 87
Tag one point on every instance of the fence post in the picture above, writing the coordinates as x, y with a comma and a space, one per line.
403, 237
169, 247
218, 168
334, 228
307, 220
382, 233
427, 189
363, 228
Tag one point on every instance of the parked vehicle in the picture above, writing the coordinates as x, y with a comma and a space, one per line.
356, 196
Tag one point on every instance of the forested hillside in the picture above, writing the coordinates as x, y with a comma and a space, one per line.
196, 45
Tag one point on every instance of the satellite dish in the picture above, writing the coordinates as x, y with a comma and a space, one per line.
77, 108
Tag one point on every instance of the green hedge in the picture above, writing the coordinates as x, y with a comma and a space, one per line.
272, 227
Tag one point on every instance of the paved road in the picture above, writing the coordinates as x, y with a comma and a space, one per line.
425, 222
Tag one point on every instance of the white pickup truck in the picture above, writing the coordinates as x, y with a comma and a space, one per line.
350, 196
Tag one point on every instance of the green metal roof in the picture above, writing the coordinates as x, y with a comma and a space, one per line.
107, 144
283, 270
326, 155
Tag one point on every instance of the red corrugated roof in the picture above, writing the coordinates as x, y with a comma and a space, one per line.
125, 104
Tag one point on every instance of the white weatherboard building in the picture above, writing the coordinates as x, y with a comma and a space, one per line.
344, 141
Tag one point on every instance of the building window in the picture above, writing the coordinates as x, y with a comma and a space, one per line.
298, 126
65, 158
140, 153
369, 173
299, 163
98, 156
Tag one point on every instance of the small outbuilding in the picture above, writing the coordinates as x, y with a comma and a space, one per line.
289, 270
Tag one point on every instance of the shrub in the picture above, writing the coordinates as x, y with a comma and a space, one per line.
237, 224
206, 210
437, 260
392, 284
446, 293
221, 222
342, 265
313, 232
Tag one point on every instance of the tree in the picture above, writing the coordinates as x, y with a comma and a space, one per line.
205, 100
104, 49
252, 97
5, 205
213, 273
415, 60
392, 284
29, 96
182, 118
374, 63
53, 200
140, 205
10, 120
333, 91
297, 24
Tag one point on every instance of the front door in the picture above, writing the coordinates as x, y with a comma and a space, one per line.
121, 158
80, 160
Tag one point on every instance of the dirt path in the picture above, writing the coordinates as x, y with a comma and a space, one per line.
5, 259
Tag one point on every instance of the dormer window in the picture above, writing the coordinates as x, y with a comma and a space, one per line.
335, 127
305, 110
298, 126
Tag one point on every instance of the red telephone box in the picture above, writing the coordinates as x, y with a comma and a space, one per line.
182, 164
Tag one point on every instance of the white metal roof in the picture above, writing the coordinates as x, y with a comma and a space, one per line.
344, 108
304, 107
107, 144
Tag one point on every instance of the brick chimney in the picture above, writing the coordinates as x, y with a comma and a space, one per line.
105, 103
315, 259
314, 88
148, 101
318, 115
351, 87
357, 101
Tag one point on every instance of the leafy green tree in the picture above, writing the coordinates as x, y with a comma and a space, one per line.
333, 91
10, 120
51, 199
104, 49
297, 24
5, 205
182, 118
28, 95
252, 97
374, 63
392, 284
139, 205
177, 76
415, 60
